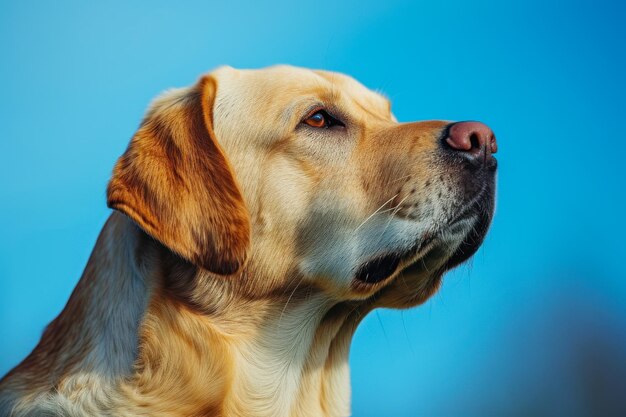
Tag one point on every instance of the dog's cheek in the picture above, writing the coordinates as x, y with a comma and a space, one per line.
326, 243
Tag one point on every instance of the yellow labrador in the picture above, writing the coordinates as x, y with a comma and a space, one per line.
260, 215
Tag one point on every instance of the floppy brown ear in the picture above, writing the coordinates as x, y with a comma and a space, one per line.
176, 183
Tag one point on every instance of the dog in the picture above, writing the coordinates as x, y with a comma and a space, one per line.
259, 215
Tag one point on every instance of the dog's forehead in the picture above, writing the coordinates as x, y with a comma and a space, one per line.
356, 90
289, 81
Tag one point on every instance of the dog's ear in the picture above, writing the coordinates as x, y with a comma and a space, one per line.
175, 182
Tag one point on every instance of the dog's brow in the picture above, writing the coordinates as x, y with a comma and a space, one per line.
372, 112
299, 107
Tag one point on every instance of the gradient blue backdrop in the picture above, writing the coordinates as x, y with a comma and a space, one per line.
535, 326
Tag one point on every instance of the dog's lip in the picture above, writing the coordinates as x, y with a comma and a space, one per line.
472, 241
378, 269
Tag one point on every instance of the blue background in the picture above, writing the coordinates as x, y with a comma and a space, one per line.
535, 325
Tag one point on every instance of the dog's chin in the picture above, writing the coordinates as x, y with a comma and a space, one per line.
408, 279
432, 250
443, 254
430, 257
470, 244
421, 266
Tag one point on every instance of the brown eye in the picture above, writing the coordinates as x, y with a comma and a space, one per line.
321, 119
316, 120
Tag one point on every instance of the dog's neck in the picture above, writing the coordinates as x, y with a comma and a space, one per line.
195, 343
279, 352
253, 357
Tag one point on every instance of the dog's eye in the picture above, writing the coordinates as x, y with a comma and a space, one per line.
321, 119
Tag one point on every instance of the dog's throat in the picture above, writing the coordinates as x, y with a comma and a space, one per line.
378, 269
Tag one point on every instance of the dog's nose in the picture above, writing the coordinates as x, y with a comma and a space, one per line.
475, 138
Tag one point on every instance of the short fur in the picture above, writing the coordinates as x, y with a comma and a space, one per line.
224, 283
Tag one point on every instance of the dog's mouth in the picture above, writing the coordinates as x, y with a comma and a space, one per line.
428, 251
481, 209
378, 269
382, 267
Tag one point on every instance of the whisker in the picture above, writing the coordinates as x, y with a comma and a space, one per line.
289, 299
380, 321
406, 334
400, 179
396, 209
374, 213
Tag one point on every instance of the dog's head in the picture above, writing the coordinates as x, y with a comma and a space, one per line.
307, 174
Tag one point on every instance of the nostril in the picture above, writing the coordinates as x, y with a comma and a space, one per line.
493, 144
475, 141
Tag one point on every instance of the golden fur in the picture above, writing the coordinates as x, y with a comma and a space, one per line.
223, 284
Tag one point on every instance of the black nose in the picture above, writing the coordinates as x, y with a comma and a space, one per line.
474, 138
